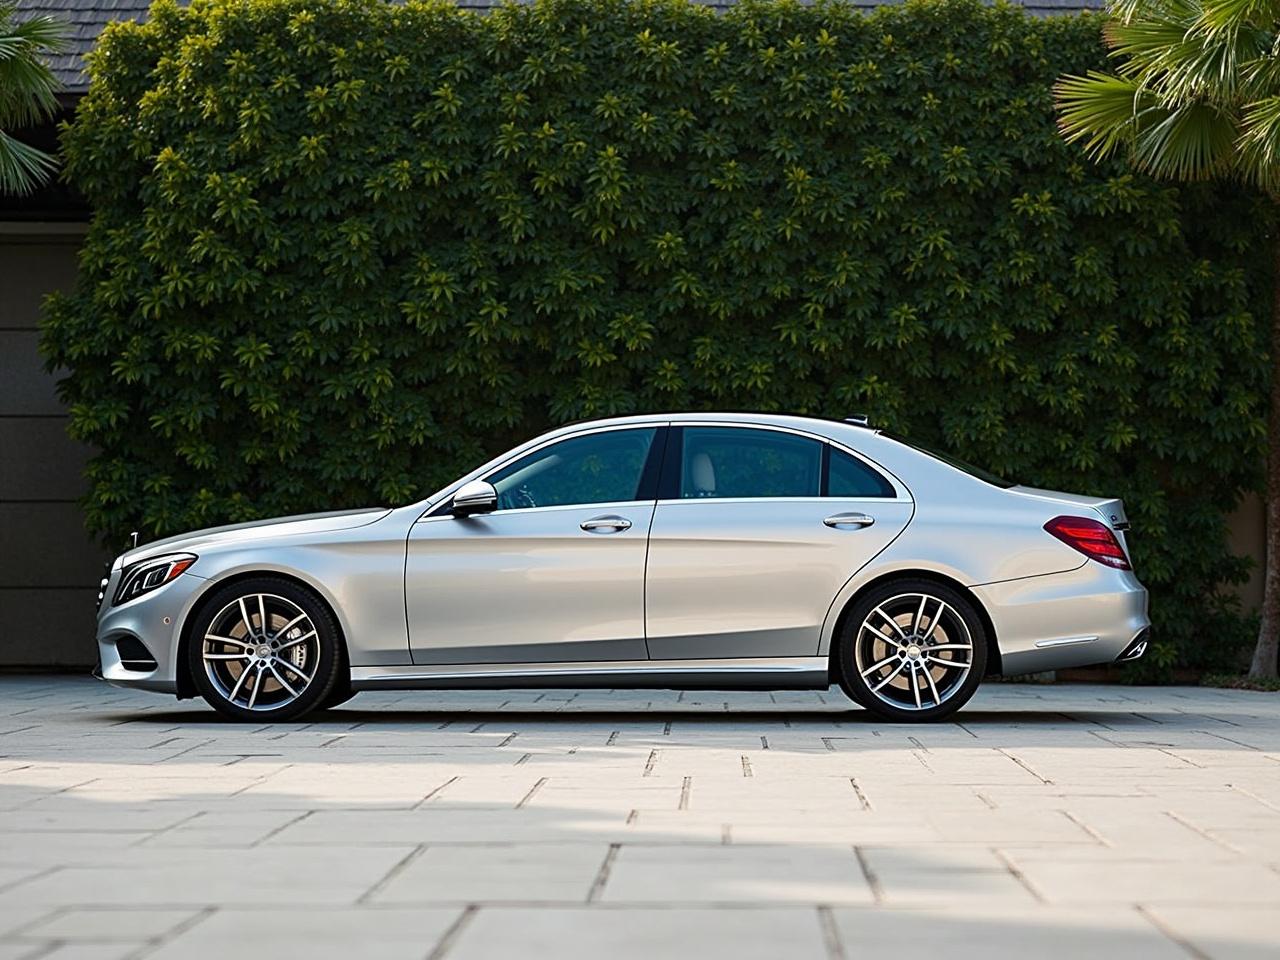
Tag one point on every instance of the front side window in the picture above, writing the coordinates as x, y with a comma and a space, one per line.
721, 462
596, 468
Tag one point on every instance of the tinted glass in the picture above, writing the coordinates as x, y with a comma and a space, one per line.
850, 477
723, 462
598, 468
961, 465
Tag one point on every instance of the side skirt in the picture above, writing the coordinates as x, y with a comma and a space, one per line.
765, 673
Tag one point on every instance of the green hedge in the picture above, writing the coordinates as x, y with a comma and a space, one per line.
343, 250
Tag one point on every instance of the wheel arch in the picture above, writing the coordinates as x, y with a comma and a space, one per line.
994, 664
186, 683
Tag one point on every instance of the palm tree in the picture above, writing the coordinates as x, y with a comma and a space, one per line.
1196, 96
27, 95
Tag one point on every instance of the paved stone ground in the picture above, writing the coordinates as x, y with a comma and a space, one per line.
1049, 821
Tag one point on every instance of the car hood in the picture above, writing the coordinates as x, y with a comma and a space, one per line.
273, 527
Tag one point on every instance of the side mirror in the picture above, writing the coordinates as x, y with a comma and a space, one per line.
476, 496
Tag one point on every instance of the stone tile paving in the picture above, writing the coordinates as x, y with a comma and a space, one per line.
1047, 821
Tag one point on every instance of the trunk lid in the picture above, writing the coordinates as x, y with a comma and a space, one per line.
1108, 509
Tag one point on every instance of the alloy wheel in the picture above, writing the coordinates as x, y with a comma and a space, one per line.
913, 651
260, 652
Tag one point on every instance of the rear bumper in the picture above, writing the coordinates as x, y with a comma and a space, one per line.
1089, 615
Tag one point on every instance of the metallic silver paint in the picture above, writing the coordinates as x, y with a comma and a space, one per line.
735, 588
530, 576
727, 569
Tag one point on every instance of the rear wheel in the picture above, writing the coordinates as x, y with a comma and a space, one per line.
264, 649
912, 650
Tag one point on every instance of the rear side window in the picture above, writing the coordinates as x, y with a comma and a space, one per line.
722, 462
849, 477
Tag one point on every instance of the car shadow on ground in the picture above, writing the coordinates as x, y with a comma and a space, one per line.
853, 716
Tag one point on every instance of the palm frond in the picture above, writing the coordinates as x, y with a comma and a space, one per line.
1100, 111
1231, 14
1171, 51
42, 33
1260, 142
1127, 10
1194, 141
1260, 78
28, 87
22, 166
1210, 63
28, 91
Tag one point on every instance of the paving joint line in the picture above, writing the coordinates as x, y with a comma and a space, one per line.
1194, 828
1169, 934
532, 790
830, 933
435, 790
450, 936
1018, 875
873, 881
1025, 766
280, 829
173, 933
396, 869
602, 875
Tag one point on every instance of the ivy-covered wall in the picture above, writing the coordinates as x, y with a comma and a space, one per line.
343, 250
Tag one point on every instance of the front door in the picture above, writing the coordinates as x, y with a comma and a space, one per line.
556, 573
756, 533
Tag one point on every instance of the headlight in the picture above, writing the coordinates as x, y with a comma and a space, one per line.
146, 575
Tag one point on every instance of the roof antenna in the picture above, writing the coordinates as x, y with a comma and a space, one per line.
858, 420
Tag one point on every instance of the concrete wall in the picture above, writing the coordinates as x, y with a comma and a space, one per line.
1245, 530
49, 566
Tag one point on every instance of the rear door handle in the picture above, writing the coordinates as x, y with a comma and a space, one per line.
849, 520
607, 524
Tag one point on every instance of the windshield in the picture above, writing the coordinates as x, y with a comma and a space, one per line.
969, 468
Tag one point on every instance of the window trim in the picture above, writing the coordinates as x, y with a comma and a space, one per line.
669, 487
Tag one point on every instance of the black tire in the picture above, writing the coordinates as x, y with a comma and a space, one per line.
290, 676
895, 652
339, 695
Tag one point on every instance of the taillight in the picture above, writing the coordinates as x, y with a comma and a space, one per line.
1092, 538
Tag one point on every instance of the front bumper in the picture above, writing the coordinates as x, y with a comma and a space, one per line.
153, 621
1089, 615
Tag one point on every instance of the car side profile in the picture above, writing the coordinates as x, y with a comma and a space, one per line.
689, 551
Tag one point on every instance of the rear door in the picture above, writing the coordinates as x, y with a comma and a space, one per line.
755, 532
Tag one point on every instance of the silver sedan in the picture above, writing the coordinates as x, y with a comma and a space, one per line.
693, 551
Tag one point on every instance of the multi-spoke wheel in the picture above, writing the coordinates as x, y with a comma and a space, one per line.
912, 650
264, 649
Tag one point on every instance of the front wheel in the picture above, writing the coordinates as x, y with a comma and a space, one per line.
912, 650
264, 649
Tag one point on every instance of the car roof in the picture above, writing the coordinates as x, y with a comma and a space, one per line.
797, 420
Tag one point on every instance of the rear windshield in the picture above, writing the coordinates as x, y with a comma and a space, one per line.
961, 465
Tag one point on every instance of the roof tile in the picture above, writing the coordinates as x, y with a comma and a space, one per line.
90, 16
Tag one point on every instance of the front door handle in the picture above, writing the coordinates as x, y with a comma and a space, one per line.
849, 520
609, 524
